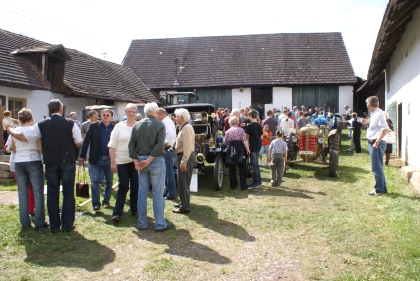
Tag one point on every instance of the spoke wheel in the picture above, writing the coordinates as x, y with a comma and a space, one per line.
218, 172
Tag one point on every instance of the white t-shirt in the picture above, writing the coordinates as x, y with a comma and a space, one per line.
25, 150
285, 125
120, 137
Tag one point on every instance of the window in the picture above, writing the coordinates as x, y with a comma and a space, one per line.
16, 104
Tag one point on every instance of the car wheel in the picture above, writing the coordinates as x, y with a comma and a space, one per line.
218, 172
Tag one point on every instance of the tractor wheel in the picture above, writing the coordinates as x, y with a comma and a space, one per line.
218, 172
333, 163
335, 141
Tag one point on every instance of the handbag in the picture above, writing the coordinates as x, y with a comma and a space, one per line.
391, 137
249, 168
82, 187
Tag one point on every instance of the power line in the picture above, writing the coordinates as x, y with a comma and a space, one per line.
34, 22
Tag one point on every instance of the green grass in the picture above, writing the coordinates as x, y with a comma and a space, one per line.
312, 228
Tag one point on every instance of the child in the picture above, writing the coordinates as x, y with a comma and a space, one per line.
277, 155
267, 137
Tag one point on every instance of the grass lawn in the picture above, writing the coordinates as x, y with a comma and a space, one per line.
311, 228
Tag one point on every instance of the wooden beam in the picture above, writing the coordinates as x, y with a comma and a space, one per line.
408, 7
402, 22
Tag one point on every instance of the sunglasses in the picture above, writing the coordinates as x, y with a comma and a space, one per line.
107, 115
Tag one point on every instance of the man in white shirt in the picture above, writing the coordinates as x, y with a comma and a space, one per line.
169, 156
376, 132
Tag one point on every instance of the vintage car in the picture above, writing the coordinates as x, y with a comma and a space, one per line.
208, 145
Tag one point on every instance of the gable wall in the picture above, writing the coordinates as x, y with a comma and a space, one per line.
403, 84
36, 101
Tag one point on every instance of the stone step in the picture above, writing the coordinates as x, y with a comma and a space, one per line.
407, 172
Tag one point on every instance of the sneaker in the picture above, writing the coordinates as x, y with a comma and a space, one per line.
106, 205
115, 218
255, 186
375, 193
273, 183
96, 208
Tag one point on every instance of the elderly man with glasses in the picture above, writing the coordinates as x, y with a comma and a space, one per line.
97, 137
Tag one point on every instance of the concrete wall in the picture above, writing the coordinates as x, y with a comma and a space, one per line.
403, 84
282, 96
345, 97
37, 100
241, 99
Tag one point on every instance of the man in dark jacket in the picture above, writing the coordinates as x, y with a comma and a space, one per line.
59, 136
97, 137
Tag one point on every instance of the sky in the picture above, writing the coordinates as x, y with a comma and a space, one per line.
105, 29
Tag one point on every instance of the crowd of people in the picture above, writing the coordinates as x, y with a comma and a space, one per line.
142, 153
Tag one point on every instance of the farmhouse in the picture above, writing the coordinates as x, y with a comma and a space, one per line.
276, 70
34, 72
394, 74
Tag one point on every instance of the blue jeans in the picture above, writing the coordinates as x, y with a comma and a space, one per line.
170, 182
264, 150
127, 179
30, 171
254, 162
377, 161
104, 165
153, 174
65, 173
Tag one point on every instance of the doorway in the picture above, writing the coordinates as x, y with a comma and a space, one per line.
399, 132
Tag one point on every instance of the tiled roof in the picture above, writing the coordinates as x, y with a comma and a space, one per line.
397, 15
16, 71
93, 77
265, 59
84, 75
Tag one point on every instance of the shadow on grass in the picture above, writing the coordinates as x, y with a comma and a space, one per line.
127, 219
65, 250
209, 218
182, 244
398, 195
320, 172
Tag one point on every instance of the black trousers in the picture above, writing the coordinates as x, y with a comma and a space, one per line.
242, 175
356, 140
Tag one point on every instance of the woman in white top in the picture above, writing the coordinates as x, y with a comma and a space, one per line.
28, 168
31, 201
122, 164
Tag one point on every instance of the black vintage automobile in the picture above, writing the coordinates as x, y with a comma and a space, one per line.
208, 144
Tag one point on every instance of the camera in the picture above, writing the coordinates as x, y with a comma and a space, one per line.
171, 149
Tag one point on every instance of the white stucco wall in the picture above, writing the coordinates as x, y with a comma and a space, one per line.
345, 97
37, 100
282, 96
404, 86
241, 99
